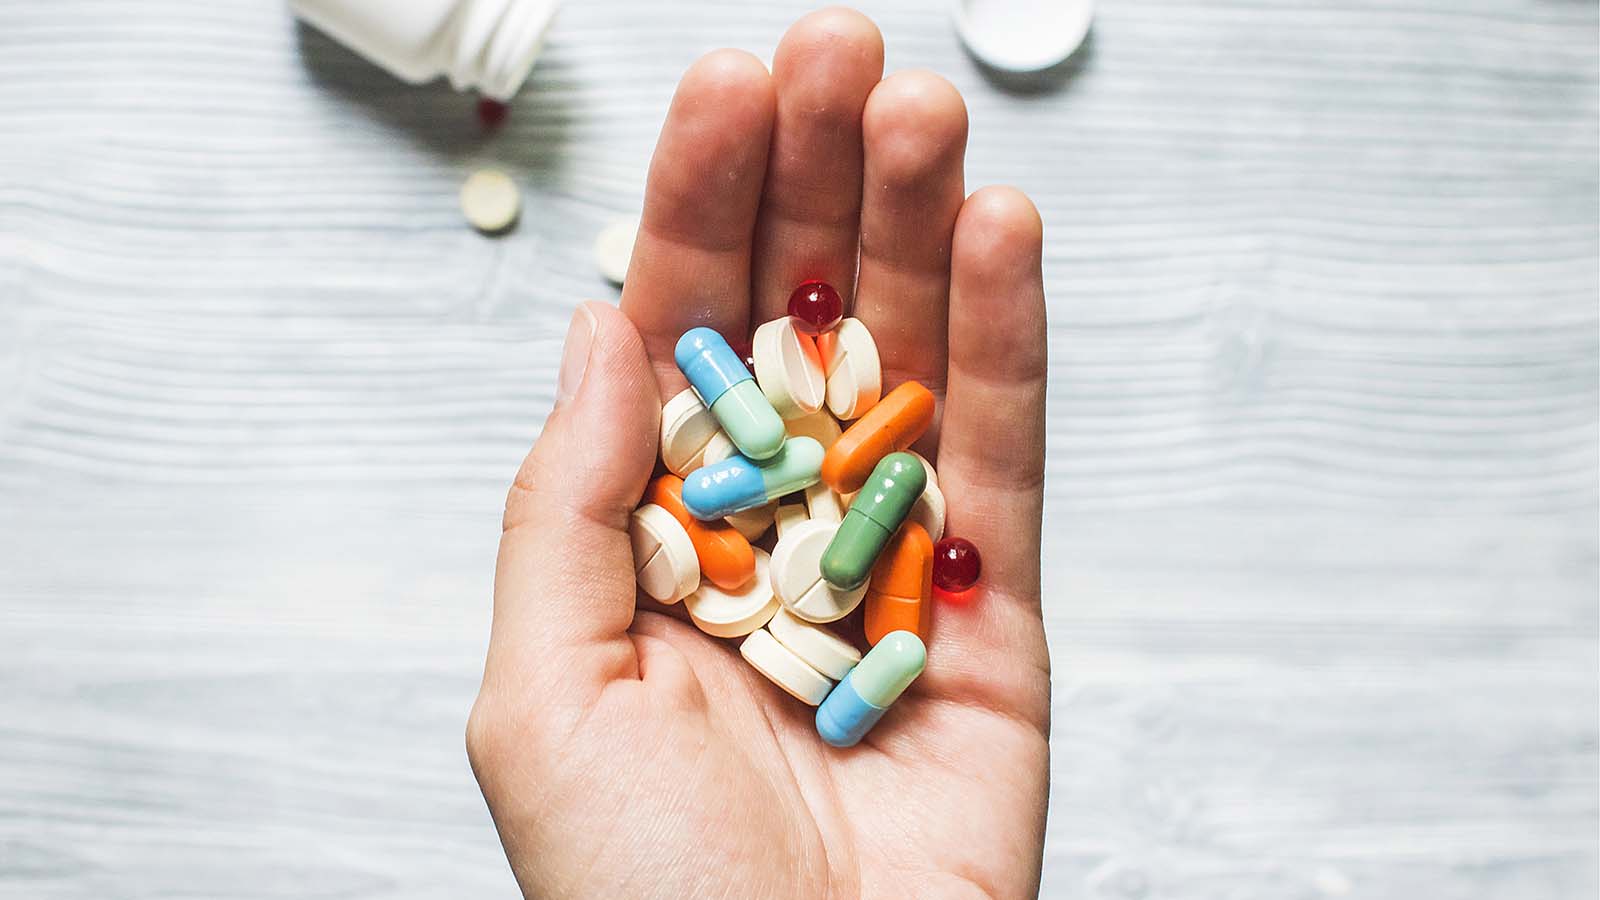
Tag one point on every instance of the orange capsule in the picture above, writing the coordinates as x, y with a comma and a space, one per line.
898, 596
893, 424
725, 556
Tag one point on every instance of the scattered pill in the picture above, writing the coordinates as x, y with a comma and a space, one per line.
956, 565
1021, 36
726, 558
850, 363
687, 429
788, 368
663, 555
893, 424
816, 646
867, 691
728, 389
491, 113
490, 201
735, 613
877, 513
736, 484
816, 306
613, 248
797, 574
783, 668
902, 583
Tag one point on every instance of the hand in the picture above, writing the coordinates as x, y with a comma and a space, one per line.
625, 754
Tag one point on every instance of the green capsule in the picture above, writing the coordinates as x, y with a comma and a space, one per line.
882, 504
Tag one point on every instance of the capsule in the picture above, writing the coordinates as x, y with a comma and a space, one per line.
726, 558
737, 484
728, 389
867, 691
883, 503
902, 583
893, 424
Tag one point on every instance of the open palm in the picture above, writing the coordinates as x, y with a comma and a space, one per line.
625, 754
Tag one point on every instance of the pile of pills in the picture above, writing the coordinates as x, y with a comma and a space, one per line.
857, 517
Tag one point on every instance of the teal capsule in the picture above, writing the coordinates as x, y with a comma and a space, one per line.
867, 691
724, 385
882, 504
737, 484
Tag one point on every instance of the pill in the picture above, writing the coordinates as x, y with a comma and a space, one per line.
735, 613
816, 306
663, 555
877, 513
898, 598
687, 428
737, 484
613, 248
820, 426
866, 692
1019, 37
788, 368
929, 509
850, 363
781, 667
894, 424
490, 200
728, 389
753, 522
816, 646
787, 516
822, 504
797, 574
956, 565
726, 558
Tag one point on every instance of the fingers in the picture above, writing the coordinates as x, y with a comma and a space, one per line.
691, 260
915, 129
564, 581
824, 68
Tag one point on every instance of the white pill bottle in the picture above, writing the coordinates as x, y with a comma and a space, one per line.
486, 45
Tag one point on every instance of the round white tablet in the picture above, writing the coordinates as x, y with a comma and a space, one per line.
613, 248
763, 652
788, 368
729, 614
686, 428
820, 426
1022, 35
490, 200
663, 556
816, 646
797, 574
822, 504
753, 523
854, 373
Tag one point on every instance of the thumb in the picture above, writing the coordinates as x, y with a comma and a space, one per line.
564, 583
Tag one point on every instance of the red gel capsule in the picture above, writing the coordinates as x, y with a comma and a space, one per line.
817, 306
491, 113
956, 565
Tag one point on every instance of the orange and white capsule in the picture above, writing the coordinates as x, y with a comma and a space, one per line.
726, 558
893, 424
900, 592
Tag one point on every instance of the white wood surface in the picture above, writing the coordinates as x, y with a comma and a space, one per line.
1321, 556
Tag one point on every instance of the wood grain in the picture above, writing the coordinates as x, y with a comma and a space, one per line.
1322, 496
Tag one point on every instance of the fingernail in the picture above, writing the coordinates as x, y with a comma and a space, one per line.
575, 357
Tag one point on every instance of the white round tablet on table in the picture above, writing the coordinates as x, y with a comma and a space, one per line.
686, 428
820, 426
1022, 35
816, 646
788, 368
783, 668
613, 248
729, 614
663, 556
854, 373
797, 574
490, 200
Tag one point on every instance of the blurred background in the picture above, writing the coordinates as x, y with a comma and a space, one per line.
1321, 538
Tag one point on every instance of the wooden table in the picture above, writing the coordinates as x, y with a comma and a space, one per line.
1321, 558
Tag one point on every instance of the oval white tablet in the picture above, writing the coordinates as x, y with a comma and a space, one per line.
820, 426
753, 523
613, 248
729, 614
490, 200
816, 646
663, 556
1022, 35
928, 511
788, 368
822, 504
788, 515
797, 574
686, 428
781, 667
854, 373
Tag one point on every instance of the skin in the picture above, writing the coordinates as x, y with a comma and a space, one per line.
622, 752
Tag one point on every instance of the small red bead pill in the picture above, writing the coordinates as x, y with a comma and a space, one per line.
956, 565
817, 306
491, 113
